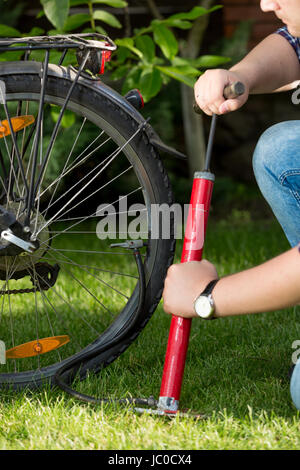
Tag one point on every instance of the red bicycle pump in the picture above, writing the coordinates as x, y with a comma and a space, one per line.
192, 251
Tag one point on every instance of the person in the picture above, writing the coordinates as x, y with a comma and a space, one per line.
194, 289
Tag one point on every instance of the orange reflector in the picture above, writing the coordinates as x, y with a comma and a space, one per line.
18, 123
36, 347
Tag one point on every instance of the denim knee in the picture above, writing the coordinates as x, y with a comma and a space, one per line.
295, 386
277, 151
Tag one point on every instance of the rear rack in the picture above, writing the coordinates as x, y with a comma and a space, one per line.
71, 41
93, 49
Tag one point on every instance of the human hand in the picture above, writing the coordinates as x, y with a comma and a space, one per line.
183, 284
209, 91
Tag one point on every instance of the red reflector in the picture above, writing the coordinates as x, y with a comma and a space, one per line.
135, 98
141, 97
105, 57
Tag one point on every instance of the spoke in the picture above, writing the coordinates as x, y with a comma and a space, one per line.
12, 173
36, 317
89, 216
3, 297
54, 134
96, 268
91, 274
10, 312
31, 194
86, 252
64, 168
61, 319
9, 274
68, 304
87, 290
15, 147
23, 149
78, 182
4, 187
48, 318
39, 190
72, 166
11, 325
2, 164
96, 191
115, 154
72, 198
90, 232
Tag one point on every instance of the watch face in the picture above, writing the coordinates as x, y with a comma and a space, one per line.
203, 307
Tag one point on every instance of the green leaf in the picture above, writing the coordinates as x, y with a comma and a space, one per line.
207, 61
146, 45
129, 44
132, 79
123, 53
35, 31
185, 70
120, 72
166, 40
8, 31
150, 83
195, 13
110, 3
174, 23
100, 30
140, 31
108, 18
56, 12
177, 74
74, 3
39, 56
75, 21
11, 56
68, 118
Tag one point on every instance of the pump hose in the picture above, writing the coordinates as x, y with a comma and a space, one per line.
73, 366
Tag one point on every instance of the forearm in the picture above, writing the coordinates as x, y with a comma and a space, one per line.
270, 66
270, 286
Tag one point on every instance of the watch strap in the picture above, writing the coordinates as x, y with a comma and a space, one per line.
208, 289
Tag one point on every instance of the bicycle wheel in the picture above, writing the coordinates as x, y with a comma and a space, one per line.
74, 283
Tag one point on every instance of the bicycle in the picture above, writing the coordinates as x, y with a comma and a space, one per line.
66, 141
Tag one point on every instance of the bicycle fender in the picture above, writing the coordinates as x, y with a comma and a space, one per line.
69, 73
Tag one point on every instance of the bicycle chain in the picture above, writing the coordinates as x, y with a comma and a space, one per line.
18, 291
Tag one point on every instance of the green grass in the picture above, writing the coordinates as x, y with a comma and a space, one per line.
236, 375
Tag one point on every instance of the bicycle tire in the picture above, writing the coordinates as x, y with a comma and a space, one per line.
104, 108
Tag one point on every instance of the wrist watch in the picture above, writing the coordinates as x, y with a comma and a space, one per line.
204, 305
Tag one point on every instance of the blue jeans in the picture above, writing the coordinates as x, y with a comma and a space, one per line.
276, 164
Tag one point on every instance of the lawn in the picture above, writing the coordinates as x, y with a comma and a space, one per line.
236, 375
